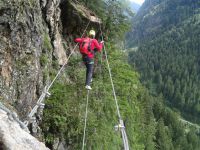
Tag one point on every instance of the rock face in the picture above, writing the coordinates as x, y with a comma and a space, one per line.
53, 12
27, 47
12, 137
31, 44
24, 45
30, 38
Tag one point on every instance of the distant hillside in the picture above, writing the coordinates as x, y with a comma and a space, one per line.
135, 6
167, 33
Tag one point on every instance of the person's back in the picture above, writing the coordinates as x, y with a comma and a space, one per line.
87, 46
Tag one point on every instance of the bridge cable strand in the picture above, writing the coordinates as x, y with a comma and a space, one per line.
121, 123
85, 125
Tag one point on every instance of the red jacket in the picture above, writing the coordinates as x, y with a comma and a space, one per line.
94, 44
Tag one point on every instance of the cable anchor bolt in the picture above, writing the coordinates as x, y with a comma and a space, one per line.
48, 94
119, 127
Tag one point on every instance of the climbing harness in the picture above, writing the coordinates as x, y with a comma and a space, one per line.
46, 89
86, 112
120, 126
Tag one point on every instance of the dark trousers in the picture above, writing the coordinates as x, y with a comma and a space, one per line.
89, 63
89, 72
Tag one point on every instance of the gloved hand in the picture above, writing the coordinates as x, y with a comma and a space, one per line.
102, 42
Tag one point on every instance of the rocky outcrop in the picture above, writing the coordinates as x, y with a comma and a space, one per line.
12, 137
24, 43
31, 44
85, 12
52, 17
30, 37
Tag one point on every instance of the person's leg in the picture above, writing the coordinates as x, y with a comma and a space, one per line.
91, 66
85, 60
89, 72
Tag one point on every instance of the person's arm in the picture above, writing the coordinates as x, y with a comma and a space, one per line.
97, 45
79, 40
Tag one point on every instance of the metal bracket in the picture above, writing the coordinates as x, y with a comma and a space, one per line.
119, 126
48, 94
32, 119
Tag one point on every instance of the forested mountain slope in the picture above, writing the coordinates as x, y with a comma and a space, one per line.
167, 34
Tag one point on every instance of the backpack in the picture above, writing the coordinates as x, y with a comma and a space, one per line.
85, 48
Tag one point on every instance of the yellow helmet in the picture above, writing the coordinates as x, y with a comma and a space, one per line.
92, 32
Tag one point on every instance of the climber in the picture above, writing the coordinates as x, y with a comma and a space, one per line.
88, 46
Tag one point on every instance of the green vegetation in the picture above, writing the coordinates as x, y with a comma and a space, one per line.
47, 42
43, 60
150, 125
168, 60
64, 115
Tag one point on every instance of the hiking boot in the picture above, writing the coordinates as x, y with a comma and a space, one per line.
88, 87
